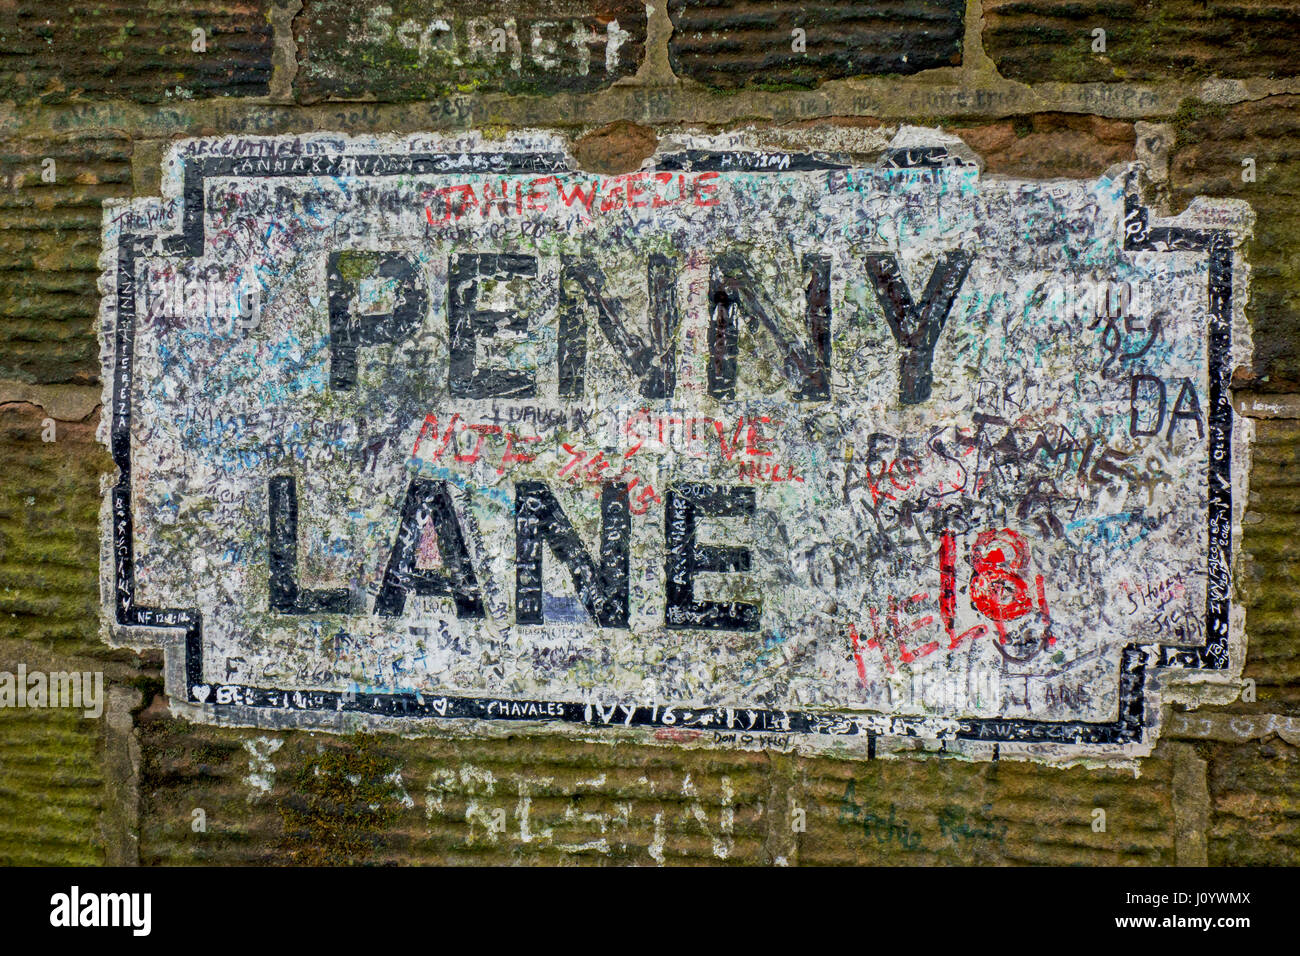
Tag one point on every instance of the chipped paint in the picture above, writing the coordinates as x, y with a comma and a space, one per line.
261, 771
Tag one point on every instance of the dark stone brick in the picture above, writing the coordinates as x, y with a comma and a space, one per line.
381, 799
54, 784
1255, 804
49, 252
412, 49
1034, 40
1267, 579
1212, 142
118, 48
725, 43
933, 812
49, 532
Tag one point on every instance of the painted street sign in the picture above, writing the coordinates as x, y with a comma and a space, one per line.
746, 448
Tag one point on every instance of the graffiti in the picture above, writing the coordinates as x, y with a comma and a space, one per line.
439, 430
954, 825
437, 49
886, 831
482, 38
889, 831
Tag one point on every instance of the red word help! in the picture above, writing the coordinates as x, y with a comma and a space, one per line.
997, 591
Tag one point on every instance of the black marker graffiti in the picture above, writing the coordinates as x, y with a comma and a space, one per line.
286, 596
917, 329
428, 503
539, 519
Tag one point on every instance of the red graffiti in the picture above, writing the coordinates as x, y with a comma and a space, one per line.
456, 427
895, 632
997, 591
907, 468
693, 436
766, 471
594, 472
643, 190
948, 595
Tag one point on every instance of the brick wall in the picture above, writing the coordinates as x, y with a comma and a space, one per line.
100, 88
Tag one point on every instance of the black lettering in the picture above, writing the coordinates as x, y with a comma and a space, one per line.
653, 360
429, 501
686, 558
540, 520
1187, 391
286, 597
916, 330
732, 288
466, 322
350, 330
1135, 384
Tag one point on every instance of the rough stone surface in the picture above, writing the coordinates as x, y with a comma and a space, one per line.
1255, 808
1033, 40
937, 811
53, 793
49, 251
730, 44
49, 547
413, 50
1212, 143
300, 798
616, 148
1268, 576
54, 52
1051, 144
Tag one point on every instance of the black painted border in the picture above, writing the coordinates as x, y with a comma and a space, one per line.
1135, 658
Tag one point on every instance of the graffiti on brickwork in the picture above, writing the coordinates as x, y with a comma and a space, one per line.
741, 449
435, 47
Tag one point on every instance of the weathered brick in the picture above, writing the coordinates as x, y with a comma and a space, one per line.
617, 148
143, 52
1266, 578
49, 252
1033, 40
312, 798
932, 810
412, 49
1207, 160
1255, 804
726, 43
1051, 144
51, 793
49, 532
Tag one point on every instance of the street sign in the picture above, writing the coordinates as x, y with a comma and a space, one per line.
744, 448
